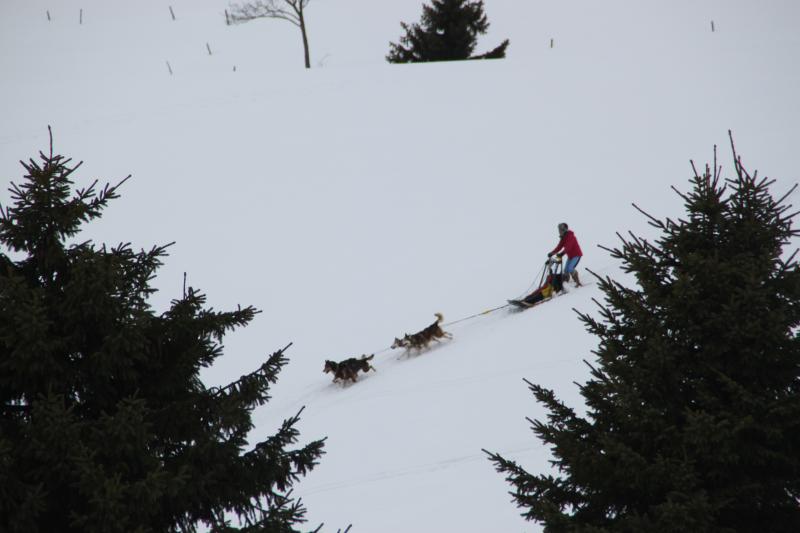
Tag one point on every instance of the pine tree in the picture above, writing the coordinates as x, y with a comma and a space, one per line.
693, 406
448, 31
105, 424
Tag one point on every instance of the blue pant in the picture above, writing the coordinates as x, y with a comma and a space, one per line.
572, 262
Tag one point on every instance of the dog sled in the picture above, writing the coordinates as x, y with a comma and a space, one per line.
551, 283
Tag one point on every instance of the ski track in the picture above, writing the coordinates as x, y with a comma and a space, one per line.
412, 470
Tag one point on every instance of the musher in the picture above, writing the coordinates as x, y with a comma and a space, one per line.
570, 246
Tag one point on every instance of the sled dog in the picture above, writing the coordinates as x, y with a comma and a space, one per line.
420, 341
349, 368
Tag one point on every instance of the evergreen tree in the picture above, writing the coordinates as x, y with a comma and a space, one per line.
693, 407
448, 31
105, 424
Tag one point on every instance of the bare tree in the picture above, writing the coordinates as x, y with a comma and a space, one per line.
290, 10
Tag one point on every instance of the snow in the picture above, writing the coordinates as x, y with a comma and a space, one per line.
352, 201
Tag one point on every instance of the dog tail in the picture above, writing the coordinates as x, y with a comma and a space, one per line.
439, 317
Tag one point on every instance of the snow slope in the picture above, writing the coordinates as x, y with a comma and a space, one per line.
352, 201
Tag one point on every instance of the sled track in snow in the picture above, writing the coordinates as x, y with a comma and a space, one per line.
413, 470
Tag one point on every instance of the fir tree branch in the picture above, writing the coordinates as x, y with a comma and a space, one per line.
259, 372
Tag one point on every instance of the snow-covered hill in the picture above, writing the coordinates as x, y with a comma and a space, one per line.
352, 201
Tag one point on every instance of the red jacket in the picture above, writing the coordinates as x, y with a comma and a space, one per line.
570, 245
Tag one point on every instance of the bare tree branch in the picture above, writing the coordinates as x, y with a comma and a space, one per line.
288, 10
245, 12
